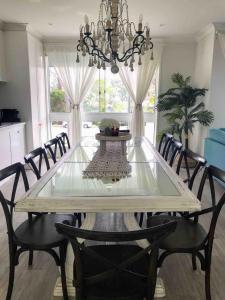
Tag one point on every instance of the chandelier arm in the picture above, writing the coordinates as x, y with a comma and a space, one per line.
94, 50
126, 56
138, 51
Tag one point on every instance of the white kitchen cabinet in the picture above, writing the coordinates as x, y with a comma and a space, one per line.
5, 149
12, 146
2, 59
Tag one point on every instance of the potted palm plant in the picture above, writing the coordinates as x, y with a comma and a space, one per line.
183, 108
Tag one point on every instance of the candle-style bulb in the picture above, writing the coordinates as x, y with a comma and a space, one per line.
140, 18
86, 20
109, 14
140, 22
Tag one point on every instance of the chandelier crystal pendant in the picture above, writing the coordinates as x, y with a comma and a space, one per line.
114, 39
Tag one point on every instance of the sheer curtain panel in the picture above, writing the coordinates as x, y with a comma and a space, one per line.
76, 80
137, 84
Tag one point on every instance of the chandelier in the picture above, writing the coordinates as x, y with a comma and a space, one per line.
114, 38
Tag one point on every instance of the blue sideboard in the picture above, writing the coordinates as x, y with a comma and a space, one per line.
215, 147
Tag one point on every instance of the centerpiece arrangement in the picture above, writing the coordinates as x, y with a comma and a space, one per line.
110, 160
109, 127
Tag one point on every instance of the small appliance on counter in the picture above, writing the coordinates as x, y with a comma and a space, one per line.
9, 116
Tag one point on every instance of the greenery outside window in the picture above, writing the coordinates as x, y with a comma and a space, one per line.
109, 95
58, 101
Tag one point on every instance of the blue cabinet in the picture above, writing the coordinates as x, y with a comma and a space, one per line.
215, 148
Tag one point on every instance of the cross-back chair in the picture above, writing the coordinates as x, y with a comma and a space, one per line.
173, 148
41, 155
115, 271
187, 157
35, 233
63, 137
165, 139
190, 236
54, 146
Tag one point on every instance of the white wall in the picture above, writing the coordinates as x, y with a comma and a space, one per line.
2, 58
25, 87
217, 95
37, 90
16, 93
177, 57
202, 79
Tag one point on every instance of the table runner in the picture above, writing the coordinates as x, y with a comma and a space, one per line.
112, 164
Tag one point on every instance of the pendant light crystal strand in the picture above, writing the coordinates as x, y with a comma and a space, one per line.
113, 38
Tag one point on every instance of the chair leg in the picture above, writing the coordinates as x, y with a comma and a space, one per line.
11, 276
31, 255
79, 220
62, 252
207, 283
194, 264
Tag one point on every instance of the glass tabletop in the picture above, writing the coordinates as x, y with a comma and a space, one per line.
147, 179
137, 151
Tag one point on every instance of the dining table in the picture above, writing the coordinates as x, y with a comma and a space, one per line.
152, 186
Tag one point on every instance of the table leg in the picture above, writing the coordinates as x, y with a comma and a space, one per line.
131, 224
88, 223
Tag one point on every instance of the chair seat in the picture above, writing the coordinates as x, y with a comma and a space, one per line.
187, 235
41, 232
121, 285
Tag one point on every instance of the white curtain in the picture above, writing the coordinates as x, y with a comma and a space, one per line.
76, 80
221, 37
137, 84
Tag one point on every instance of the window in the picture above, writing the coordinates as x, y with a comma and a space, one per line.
150, 100
59, 106
108, 94
108, 98
58, 101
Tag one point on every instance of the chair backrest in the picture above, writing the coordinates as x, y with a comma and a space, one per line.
17, 170
52, 147
213, 223
173, 148
186, 156
41, 154
154, 235
211, 172
165, 139
63, 137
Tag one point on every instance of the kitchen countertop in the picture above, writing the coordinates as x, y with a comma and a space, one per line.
10, 125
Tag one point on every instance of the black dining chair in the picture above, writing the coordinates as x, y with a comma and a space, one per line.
34, 234
53, 147
188, 157
165, 139
115, 271
173, 148
40, 155
190, 237
63, 137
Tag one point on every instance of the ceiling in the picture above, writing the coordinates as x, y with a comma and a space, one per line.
167, 18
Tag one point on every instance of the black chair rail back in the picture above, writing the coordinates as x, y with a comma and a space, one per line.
165, 139
17, 170
155, 235
41, 154
173, 148
53, 146
63, 137
194, 157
